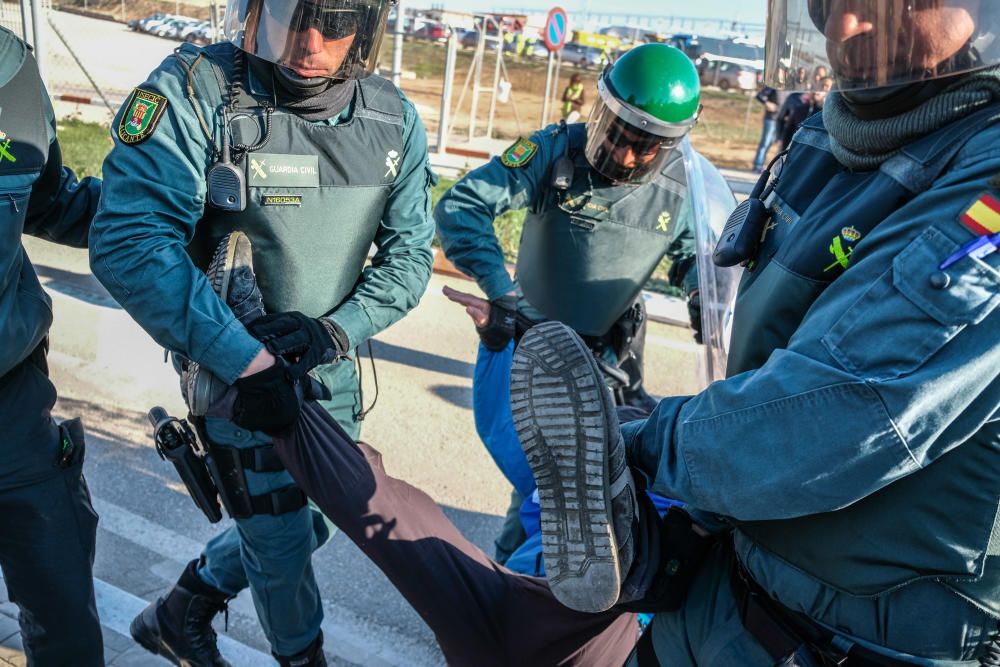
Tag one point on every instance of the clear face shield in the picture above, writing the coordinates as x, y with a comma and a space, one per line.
624, 144
711, 202
338, 39
877, 43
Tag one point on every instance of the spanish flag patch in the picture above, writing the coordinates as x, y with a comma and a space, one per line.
983, 216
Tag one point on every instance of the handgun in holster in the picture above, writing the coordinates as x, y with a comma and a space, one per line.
228, 465
176, 442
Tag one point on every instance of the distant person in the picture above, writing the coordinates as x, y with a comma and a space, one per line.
573, 99
797, 108
819, 74
802, 78
769, 97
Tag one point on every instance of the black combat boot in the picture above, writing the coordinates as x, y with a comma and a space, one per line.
565, 419
230, 273
178, 626
311, 657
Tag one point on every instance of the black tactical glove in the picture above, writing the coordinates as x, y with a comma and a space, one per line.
694, 313
269, 400
303, 341
499, 329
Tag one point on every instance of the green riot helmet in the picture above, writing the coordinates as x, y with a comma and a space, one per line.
336, 39
649, 99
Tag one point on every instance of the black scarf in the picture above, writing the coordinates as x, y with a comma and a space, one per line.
310, 99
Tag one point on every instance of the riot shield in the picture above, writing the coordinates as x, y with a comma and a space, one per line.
711, 202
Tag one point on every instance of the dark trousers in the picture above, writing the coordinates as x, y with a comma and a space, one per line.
47, 527
481, 613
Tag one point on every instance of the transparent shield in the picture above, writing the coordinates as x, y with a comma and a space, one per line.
711, 203
876, 43
338, 39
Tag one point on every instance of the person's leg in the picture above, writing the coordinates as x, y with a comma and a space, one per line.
47, 529
512, 534
47, 540
767, 137
707, 630
270, 553
566, 421
480, 612
635, 394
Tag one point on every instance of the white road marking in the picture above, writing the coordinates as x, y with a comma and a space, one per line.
346, 635
117, 608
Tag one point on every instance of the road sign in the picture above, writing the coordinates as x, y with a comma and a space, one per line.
556, 29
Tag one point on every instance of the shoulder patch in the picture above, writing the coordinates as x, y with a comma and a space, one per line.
142, 112
519, 154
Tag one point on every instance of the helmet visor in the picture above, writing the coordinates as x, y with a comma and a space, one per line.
622, 152
338, 39
876, 43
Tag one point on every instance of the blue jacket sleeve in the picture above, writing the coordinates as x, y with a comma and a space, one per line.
401, 268
884, 375
154, 195
465, 214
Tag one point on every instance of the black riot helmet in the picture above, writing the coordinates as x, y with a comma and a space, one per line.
872, 44
335, 39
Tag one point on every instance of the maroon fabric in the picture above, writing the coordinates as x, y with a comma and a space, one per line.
481, 613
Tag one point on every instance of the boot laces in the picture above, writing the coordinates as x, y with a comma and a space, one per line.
198, 625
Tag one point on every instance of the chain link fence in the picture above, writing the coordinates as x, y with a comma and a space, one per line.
87, 51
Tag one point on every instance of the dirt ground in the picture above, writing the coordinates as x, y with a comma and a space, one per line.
727, 133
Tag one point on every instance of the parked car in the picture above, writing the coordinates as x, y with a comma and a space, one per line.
435, 32
470, 38
728, 75
587, 57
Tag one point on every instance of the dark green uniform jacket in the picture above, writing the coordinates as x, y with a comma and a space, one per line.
585, 253
320, 193
38, 196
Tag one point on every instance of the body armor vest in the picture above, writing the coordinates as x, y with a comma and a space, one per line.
902, 532
24, 151
24, 131
316, 193
586, 253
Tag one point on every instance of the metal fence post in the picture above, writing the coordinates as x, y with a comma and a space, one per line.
397, 47
444, 122
38, 40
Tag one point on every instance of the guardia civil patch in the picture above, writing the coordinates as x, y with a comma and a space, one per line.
519, 154
142, 112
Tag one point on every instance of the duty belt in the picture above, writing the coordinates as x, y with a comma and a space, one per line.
783, 632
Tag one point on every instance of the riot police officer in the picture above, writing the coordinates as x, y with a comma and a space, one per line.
848, 457
47, 523
282, 133
605, 203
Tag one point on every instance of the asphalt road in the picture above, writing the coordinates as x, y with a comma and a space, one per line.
110, 373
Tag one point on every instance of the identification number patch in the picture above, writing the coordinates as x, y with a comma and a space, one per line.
142, 113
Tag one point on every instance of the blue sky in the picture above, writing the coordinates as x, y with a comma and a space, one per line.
752, 11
